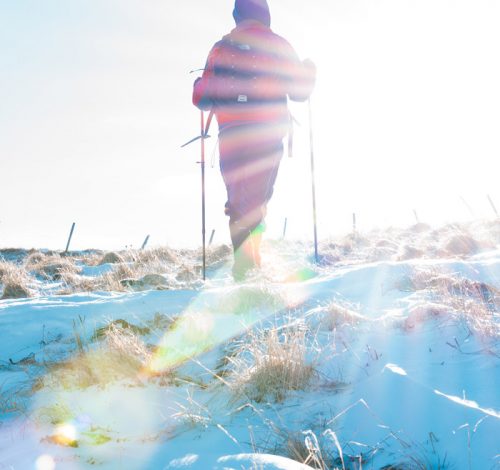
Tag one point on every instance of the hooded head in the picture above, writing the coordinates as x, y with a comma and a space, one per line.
257, 10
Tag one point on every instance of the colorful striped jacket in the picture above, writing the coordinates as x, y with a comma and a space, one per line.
249, 75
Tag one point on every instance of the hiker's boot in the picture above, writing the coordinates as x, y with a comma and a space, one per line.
244, 260
256, 239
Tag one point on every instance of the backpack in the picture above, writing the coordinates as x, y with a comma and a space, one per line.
247, 75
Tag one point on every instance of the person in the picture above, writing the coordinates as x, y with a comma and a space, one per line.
248, 78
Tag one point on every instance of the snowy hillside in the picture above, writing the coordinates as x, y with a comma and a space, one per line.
384, 356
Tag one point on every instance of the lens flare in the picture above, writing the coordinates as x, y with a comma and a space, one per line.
45, 462
66, 435
302, 275
217, 316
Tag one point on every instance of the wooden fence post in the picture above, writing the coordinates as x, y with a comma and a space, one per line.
211, 237
70, 237
145, 243
493, 206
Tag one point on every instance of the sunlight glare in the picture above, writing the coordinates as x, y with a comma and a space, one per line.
66, 434
45, 462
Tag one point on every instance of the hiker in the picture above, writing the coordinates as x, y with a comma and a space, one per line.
248, 76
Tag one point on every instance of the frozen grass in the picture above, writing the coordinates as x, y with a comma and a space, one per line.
11, 401
418, 462
111, 258
475, 303
55, 414
272, 363
120, 355
5, 267
192, 413
15, 280
51, 267
336, 315
244, 299
181, 269
416, 242
317, 446
123, 277
305, 447
75, 283
158, 268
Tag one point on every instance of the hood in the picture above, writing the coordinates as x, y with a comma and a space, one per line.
257, 10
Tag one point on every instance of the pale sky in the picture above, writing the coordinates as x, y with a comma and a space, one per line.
95, 101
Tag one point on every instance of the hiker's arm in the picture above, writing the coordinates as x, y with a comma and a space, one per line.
300, 75
303, 81
204, 86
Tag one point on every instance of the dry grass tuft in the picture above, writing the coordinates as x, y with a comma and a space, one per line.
305, 447
5, 267
141, 274
409, 252
55, 414
421, 313
271, 364
162, 255
12, 401
111, 258
192, 413
477, 303
187, 274
15, 281
462, 245
91, 257
122, 355
138, 270
110, 282
127, 343
244, 299
218, 254
76, 283
336, 316
111, 328
51, 267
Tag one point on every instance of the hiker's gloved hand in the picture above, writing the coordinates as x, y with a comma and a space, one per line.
310, 68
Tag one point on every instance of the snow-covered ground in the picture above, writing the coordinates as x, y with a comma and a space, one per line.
376, 360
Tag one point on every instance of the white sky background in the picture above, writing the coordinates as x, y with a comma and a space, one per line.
95, 101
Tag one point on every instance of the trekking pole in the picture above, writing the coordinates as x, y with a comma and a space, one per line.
202, 137
311, 144
202, 163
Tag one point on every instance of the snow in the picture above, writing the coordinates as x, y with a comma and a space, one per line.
399, 378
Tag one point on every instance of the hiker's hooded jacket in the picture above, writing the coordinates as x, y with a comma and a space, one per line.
252, 71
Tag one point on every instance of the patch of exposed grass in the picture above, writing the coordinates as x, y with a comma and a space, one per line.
244, 299
192, 413
75, 283
12, 401
111, 257
51, 267
336, 315
15, 281
55, 414
111, 327
305, 448
121, 355
477, 303
271, 364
